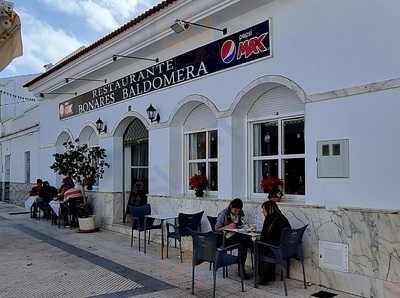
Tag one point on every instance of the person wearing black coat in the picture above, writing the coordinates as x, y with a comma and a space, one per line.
273, 225
47, 192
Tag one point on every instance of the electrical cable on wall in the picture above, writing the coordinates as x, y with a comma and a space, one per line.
23, 99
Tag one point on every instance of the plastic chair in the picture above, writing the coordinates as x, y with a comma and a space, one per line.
213, 221
186, 223
73, 209
205, 249
290, 247
138, 215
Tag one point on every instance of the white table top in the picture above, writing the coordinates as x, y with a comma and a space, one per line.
161, 217
55, 206
29, 201
244, 232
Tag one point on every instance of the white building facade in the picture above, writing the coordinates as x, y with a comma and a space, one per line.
305, 90
19, 138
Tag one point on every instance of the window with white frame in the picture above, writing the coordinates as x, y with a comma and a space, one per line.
27, 167
278, 150
202, 157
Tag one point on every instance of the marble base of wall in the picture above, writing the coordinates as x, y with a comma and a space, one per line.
15, 193
106, 206
372, 237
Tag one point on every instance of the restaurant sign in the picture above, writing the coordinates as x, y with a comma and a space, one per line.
239, 48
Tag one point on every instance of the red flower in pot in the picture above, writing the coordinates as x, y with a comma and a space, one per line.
199, 183
271, 184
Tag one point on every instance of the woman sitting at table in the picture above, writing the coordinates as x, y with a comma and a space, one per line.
67, 184
274, 223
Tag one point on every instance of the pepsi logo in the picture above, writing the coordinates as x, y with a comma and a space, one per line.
228, 51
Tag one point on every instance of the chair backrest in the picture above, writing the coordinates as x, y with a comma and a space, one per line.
213, 221
75, 202
140, 213
189, 222
204, 247
291, 240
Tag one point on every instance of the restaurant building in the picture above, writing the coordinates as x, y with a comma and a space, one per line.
304, 90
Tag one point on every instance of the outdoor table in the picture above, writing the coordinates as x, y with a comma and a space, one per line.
254, 237
30, 201
162, 218
55, 206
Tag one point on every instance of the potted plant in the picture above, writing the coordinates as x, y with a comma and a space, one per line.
199, 184
271, 185
83, 164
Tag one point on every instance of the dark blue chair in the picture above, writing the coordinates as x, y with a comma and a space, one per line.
186, 223
138, 215
213, 221
205, 249
290, 247
73, 210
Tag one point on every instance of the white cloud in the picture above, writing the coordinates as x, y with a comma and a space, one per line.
42, 44
101, 15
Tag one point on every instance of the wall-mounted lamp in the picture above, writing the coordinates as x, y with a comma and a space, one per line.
180, 25
152, 114
101, 128
115, 57
42, 94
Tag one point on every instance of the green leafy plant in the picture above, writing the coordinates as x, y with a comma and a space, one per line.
82, 163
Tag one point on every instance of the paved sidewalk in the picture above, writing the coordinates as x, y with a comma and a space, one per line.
41, 260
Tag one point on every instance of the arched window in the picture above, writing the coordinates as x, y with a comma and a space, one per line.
63, 138
201, 143
276, 140
89, 137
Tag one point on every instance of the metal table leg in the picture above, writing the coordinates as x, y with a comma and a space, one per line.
255, 270
162, 239
145, 223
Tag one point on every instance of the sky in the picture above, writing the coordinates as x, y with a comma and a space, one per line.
52, 29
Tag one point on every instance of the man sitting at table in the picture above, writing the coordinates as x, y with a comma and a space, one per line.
46, 194
232, 218
36, 188
35, 192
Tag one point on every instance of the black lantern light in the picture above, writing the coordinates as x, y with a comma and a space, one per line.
101, 128
152, 114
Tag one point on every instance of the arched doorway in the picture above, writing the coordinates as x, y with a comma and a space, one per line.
136, 158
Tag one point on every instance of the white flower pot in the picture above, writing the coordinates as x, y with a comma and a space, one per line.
87, 225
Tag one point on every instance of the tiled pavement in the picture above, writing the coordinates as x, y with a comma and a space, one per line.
40, 260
